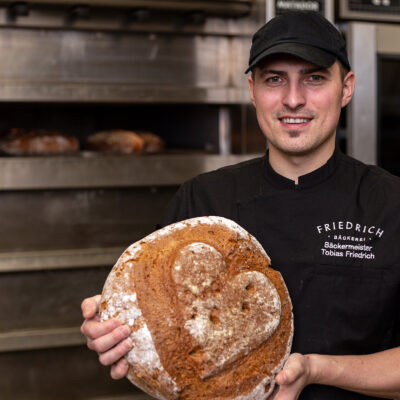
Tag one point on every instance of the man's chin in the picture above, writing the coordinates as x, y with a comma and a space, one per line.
294, 134
297, 150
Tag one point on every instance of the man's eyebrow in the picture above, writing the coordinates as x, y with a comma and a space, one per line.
314, 69
305, 71
272, 71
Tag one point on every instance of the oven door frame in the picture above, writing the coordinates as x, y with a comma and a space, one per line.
366, 42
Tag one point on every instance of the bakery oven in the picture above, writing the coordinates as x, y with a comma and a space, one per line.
373, 36
171, 68
374, 114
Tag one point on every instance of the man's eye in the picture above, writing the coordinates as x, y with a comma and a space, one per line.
273, 79
315, 78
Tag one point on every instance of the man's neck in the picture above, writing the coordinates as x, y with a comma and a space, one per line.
294, 166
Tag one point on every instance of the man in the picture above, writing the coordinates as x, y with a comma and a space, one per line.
330, 223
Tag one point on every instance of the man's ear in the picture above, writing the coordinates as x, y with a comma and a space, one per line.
251, 89
348, 88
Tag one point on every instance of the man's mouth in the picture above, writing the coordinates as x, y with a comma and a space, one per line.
289, 120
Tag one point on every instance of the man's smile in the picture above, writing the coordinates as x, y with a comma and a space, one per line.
295, 122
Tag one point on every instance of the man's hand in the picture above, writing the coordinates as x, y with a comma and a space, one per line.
108, 338
293, 378
376, 375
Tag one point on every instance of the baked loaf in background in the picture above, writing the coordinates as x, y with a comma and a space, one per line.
125, 142
209, 318
115, 141
19, 142
152, 142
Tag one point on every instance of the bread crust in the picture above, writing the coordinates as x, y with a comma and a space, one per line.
37, 142
115, 141
209, 318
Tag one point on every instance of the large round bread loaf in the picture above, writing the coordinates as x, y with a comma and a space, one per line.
209, 318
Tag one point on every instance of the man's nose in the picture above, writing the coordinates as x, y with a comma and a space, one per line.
294, 97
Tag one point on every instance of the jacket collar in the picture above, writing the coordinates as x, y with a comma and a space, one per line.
305, 181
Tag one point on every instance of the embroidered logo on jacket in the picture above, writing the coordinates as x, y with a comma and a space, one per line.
348, 239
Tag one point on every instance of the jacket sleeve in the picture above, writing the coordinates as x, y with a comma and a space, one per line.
185, 204
213, 193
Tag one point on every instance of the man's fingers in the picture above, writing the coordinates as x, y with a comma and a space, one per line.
93, 329
107, 338
119, 369
292, 371
286, 376
112, 356
90, 306
107, 341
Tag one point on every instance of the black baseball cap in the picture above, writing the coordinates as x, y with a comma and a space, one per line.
305, 34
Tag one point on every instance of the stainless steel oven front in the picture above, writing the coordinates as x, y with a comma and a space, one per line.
374, 113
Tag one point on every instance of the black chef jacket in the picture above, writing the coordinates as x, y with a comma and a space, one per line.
335, 238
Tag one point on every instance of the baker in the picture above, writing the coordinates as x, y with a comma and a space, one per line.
308, 205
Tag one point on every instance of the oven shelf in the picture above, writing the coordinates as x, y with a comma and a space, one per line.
40, 339
106, 171
231, 8
22, 261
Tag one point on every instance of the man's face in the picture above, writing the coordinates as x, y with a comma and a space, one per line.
298, 104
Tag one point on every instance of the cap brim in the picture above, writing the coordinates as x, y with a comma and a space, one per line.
311, 54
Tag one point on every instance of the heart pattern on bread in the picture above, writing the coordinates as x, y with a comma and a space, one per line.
226, 315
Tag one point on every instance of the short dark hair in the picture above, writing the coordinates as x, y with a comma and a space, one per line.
343, 70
